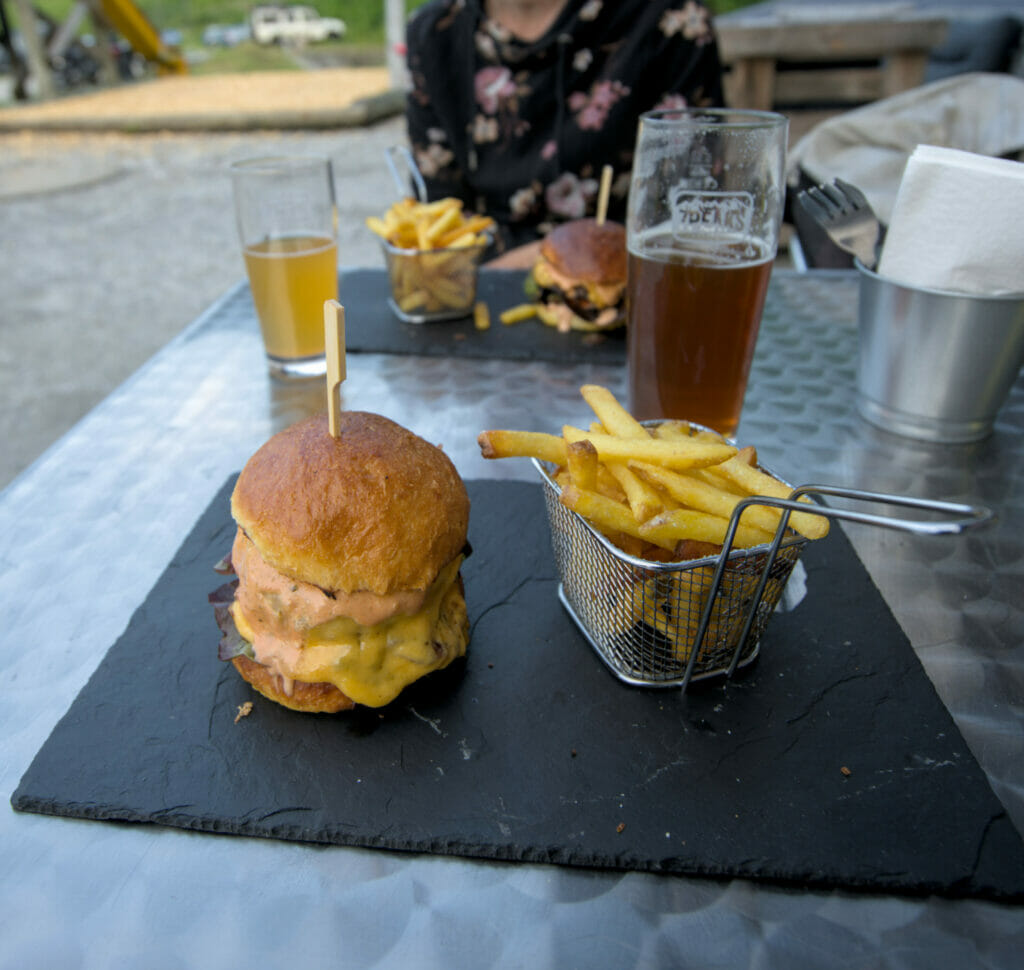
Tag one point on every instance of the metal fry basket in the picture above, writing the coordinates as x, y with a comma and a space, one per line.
660, 624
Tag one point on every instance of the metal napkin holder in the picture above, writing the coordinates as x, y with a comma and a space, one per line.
657, 624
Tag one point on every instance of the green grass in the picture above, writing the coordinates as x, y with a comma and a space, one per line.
243, 58
364, 19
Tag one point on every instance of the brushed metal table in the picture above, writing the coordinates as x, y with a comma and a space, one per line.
87, 530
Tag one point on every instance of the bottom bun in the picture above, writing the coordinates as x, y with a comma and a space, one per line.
309, 698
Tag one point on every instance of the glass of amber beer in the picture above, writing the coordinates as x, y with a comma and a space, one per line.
287, 223
702, 229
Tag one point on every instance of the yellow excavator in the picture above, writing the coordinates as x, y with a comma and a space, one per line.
133, 25
52, 53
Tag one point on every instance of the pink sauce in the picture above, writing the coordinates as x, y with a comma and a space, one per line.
282, 611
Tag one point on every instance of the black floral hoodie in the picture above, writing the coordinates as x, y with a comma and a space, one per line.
522, 131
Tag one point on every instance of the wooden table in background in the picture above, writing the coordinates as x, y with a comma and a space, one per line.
829, 56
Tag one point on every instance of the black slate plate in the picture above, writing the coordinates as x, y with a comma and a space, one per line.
371, 326
531, 750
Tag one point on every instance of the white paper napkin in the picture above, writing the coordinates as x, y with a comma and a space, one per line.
957, 224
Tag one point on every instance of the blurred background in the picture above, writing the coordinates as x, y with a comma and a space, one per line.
118, 120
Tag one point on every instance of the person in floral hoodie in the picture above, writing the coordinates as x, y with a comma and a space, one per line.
519, 128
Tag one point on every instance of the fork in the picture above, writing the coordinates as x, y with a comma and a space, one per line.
843, 212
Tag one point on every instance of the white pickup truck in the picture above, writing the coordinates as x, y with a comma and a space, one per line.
293, 25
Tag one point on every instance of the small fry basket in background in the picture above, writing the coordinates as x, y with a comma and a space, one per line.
428, 285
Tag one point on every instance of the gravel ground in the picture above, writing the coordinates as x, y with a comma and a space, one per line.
113, 242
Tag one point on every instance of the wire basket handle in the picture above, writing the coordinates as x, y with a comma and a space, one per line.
956, 518
400, 151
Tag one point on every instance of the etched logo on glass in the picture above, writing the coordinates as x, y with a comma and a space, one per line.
729, 213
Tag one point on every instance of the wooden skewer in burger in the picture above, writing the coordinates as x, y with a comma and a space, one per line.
351, 534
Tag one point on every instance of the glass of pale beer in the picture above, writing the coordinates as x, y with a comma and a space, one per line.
287, 222
702, 228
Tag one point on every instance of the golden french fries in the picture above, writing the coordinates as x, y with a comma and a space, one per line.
481, 316
518, 313
670, 454
614, 418
755, 482
607, 515
523, 444
669, 488
670, 528
696, 493
581, 457
662, 494
644, 500
433, 250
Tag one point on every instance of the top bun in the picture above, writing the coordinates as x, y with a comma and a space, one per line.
587, 250
376, 509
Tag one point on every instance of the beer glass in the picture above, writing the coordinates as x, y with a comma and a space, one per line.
287, 222
702, 227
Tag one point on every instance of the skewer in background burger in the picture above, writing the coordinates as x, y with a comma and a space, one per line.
347, 553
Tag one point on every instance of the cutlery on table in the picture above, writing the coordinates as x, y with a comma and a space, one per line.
846, 216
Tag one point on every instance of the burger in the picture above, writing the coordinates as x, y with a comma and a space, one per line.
347, 555
580, 276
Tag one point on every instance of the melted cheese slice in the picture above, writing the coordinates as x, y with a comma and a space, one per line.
599, 294
372, 664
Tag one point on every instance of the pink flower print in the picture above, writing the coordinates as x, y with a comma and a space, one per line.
592, 111
582, 59
691, 21
567, 196
485, 46
671, 102
484, 129
431, 159
493, 86
549, 149
522, 202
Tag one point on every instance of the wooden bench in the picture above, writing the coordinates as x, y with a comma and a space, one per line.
823, 57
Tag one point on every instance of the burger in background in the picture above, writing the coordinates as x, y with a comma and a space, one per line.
580, 276
347, 554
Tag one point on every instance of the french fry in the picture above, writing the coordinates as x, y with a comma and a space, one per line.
582, 461
674, 430
410, 224
481, 316
747, 455
464, 241
669, 528
608, 486
704, 496
612, 415
466, 233
414, 300
523, 444
379, 226
717, 481
643, 499
671, 488
607, 515
517, 314
669, 454
756, 482
442, 224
